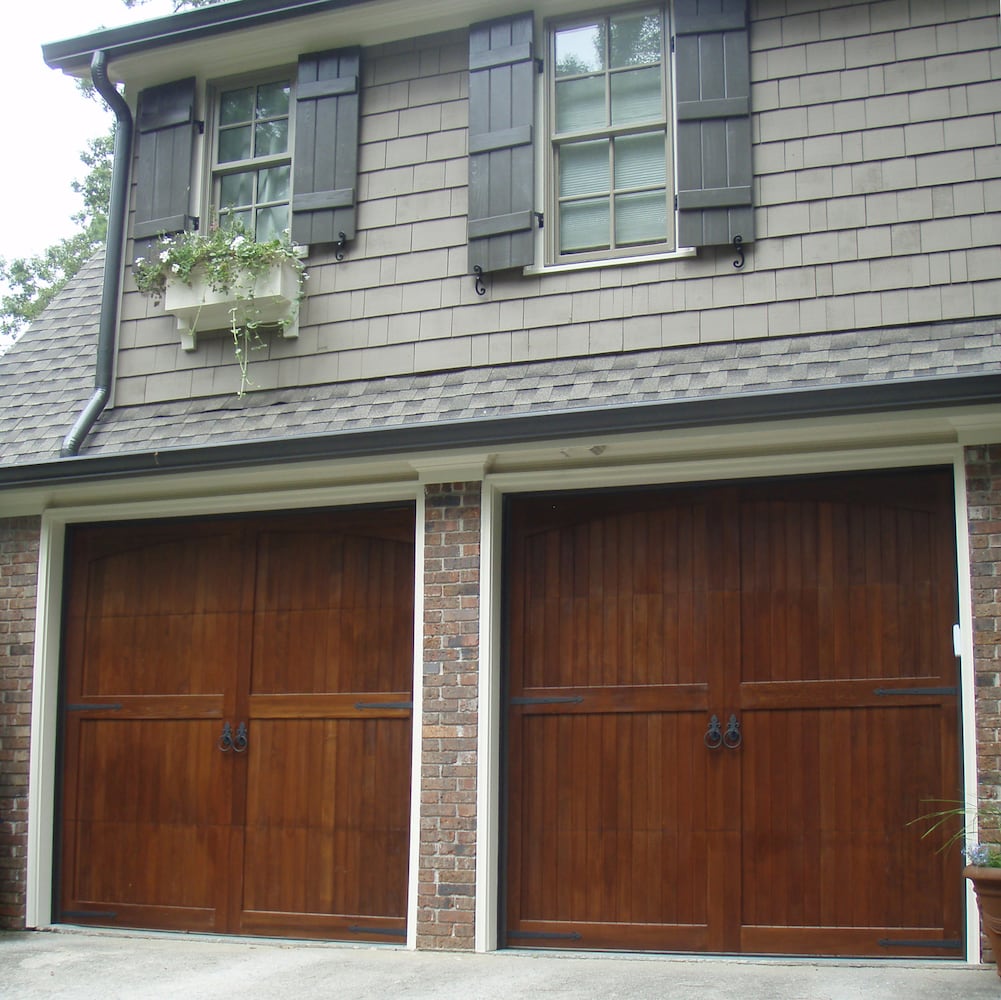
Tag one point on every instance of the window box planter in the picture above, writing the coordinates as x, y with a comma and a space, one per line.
270, 299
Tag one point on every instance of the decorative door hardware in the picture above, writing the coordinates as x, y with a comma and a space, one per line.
716, 738
714, 735
236, 742
732, 738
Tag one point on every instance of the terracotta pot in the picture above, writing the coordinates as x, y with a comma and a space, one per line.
987, 885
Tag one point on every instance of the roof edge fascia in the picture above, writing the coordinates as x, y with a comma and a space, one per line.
515, 429
74, 54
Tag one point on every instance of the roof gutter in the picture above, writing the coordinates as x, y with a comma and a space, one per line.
113, 260
72, 54
523, 428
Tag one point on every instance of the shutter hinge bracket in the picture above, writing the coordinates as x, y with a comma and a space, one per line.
676, 203
481, 289
672, 43
539, 66
339, 250
540, 218
200, 125
195, 222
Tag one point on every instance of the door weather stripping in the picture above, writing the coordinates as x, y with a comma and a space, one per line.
384, 931
113, 707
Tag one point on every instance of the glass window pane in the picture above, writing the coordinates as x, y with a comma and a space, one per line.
236, 106
584, 168
580, 50
236, 190
636, 95
640, 218
227, 217
272, 184
580, 104
640, 160
234, 144
271, 138
271, 222
584, 225
272, 100
635, 40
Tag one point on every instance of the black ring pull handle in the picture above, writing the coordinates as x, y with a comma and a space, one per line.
732, 738
240, 740
713, 738
226, 739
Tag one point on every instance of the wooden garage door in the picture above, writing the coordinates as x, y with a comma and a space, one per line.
725, 706
236, 738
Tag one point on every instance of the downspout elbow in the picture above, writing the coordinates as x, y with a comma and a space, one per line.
111, 289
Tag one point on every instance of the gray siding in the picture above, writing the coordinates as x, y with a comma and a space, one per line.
877, 188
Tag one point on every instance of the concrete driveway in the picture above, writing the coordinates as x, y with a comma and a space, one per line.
74, 965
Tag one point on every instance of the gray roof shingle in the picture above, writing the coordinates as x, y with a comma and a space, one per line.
48, 375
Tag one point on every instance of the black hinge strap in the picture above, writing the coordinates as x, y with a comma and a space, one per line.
384, 931
923, 943
545, 935
575, 699
890, 692
360, 705
113, 707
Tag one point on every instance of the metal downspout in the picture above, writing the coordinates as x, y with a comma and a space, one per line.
111, 290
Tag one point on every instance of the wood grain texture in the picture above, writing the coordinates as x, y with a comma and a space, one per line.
809, 610
299, 627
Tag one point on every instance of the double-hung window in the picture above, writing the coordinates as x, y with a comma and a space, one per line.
252, 163
609, 103
282, 152
644, 143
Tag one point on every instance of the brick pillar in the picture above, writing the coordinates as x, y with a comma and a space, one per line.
983, 511
447, 869
19, 539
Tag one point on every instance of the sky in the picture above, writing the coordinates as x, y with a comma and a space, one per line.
53, 120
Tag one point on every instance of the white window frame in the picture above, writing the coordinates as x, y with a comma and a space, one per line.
214, 170
547, 184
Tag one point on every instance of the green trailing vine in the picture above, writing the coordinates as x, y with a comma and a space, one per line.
229, 260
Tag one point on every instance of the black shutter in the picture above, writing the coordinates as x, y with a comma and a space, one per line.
502, 72
165, 126
325, 161
714, 126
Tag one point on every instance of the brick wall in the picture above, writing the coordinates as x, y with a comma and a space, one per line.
447, 866
18, 575
983, 484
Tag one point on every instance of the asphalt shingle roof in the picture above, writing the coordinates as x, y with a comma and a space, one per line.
48, 375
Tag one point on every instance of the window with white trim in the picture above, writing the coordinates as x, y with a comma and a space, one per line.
252, 156
609, 99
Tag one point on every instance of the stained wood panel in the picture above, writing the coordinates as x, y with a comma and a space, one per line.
301, 629
810, 612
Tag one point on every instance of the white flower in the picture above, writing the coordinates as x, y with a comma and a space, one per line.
176, 268
164, 254
238, 240
139, 262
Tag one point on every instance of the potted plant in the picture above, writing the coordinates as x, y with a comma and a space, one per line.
979, 833
222, 279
